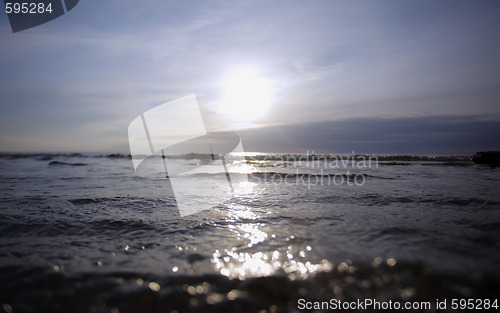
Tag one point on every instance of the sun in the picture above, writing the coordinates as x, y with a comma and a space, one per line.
247, 95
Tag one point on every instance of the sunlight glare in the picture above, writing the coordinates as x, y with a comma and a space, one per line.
247, 95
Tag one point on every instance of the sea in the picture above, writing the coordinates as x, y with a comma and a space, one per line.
302, 232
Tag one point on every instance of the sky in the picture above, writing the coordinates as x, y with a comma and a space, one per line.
419, 77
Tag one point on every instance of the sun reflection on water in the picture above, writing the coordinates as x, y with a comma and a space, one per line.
243, 189
239, 262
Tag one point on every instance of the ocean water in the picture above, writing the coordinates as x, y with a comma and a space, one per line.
85, 233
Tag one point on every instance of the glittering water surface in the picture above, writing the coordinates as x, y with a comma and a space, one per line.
88, 223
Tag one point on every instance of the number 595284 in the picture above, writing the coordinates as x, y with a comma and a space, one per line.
28, 7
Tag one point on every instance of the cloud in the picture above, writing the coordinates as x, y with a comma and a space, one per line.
459, 135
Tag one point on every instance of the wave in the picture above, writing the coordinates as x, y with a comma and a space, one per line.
355, 157
39, 156
274, 175
294, 176
58, 163
81, 201
252, 158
